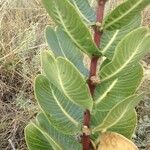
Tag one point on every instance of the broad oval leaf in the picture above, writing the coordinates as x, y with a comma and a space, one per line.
127, 53
108, 92
64, 114
35, 139
126, 126
110, 39
67, 78
85, 10
42, 134
61, 45
118, 112
124, 13
64, 13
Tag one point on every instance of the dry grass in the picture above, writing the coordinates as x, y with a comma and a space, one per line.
21, 39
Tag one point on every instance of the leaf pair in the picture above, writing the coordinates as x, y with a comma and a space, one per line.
69, 15
63, 94
118, 112
110, 39
111, 92
62, 74
41, 135
65, 15
61, 45
128, 52
120, 79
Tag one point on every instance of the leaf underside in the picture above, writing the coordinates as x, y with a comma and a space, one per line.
85, 10
111, 92
110, 39
64, 14
61, 45
68, 117
66, 78
41, 135
118, 112
128, 52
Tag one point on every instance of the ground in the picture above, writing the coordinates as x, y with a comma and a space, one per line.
22, 25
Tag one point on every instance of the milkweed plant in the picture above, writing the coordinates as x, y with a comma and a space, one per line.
89, 109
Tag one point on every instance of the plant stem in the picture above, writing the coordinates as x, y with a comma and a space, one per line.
93, 67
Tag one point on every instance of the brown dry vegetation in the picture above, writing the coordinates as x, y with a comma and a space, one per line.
21, 39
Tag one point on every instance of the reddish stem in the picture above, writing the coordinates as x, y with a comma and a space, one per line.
93, 67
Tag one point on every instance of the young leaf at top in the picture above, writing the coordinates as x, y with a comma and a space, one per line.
123, 14
118, 112
128, 52
68, 117
67, 78
64, 13
61, 45
41, 135
85, 10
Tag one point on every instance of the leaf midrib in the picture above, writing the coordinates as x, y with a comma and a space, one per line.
61, 49
118, 119
47, 136
110, 111
110, 42
80, 13
127, 62
132, 8
105, 93
61, 20
62, 87
62, 109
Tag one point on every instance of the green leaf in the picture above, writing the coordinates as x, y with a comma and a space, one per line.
64, 13
109, 92
61, 45
110, 39
35, 139
104, 62
42, 136
128, 52
64, 114
67, 79
126, 126
85, 10
124, 13
118, 112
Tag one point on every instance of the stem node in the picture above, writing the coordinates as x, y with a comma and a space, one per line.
86, 130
